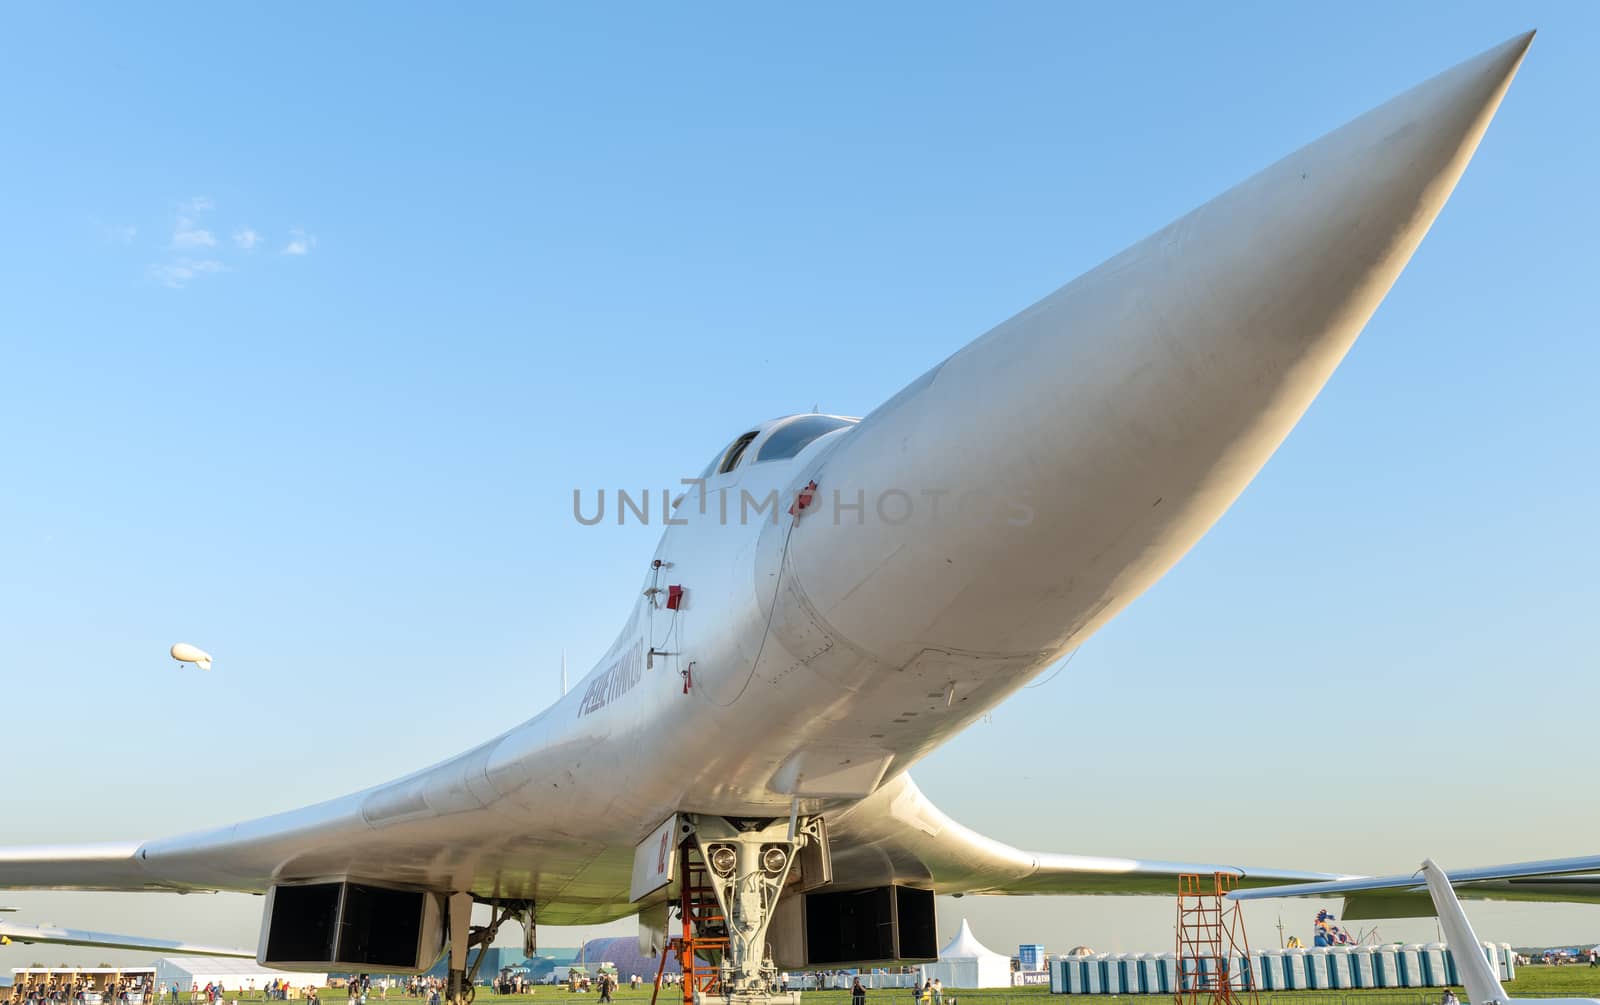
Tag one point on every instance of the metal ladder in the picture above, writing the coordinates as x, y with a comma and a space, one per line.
704, 938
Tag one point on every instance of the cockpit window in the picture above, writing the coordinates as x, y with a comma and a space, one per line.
728, 457
791, 437
736, 452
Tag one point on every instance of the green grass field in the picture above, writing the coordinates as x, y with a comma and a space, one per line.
1578, 981
1532, 982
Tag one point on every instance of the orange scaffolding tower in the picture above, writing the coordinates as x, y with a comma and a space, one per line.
1214, 966
704, 938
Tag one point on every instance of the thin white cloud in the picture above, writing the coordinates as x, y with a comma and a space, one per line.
300, 243
196, 246
177, 274
188, 234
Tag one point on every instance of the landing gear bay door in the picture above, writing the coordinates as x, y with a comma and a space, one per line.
655, 859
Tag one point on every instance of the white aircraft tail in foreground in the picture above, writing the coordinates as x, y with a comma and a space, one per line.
1477, 975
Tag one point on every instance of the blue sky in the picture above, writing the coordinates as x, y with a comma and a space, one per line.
313, 319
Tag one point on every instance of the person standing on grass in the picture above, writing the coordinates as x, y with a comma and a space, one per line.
858, 993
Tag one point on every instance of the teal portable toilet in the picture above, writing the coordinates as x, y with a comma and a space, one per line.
1078, 974
1111, 979
1258, 969
1409, 959
1061, 979
1339, 976
1160, 981
1127, 973
1433, 971
1271, 970
1149, 973
1340, 967
1361, 967
1385, 967
1167, 970
1133, 973
1244, 972
1317, 968
1294, 969
1094, 974
1508, 962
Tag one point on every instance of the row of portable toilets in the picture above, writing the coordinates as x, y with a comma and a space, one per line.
1327, 968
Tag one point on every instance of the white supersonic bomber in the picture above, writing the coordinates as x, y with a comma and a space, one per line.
836, 598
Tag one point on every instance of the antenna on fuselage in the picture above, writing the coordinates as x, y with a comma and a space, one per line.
563, 673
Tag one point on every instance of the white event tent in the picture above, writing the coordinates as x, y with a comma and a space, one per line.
234, 975
968, 963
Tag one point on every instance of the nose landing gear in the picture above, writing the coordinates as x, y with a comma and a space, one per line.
731, 875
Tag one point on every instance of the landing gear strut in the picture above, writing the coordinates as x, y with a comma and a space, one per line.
462, 984
746, 864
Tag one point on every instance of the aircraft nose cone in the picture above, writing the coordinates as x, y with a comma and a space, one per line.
1110, 424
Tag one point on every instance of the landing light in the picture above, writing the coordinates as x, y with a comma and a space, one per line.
724, 860
773, 859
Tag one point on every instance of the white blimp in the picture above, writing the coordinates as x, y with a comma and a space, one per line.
183, 652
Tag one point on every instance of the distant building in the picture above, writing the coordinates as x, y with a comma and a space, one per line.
538, 967
542, 966
98, 978
624, 953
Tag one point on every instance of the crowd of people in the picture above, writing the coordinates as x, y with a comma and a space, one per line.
362, 988
215, 993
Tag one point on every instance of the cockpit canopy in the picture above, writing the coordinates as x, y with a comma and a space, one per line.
777, 440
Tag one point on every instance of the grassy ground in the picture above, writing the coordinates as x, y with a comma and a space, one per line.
1532, 982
